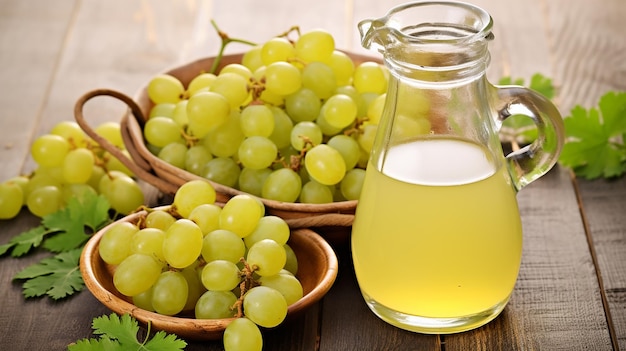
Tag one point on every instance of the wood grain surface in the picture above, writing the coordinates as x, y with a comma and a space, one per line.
571, 292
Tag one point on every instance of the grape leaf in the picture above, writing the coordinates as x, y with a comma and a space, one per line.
595, 138
121, 334
75, 222
56, 276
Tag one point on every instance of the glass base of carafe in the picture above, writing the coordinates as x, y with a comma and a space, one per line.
432, 325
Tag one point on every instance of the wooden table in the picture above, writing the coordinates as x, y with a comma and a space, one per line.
571, 292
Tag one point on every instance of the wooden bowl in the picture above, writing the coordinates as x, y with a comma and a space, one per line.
317, 270
335, 219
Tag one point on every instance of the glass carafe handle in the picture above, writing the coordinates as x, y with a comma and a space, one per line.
533, 160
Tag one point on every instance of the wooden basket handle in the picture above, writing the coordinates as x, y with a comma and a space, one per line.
112, 149
321, 220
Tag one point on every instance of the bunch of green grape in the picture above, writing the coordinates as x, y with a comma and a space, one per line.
69, 164
294, 121
196, 257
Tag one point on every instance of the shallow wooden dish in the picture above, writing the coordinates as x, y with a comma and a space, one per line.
333, 219
317, 270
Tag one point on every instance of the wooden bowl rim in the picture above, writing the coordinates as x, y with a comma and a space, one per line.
199, 329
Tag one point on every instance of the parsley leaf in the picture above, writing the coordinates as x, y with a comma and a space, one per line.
22, 243
121, 334
595, 138
71, 222
56, 276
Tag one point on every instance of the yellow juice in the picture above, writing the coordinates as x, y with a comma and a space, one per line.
437, 233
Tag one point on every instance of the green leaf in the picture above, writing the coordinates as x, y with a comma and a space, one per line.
120, 333
71, 222
56, 276
594, 138
22, 243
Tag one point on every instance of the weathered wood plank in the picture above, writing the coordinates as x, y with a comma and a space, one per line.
605, 212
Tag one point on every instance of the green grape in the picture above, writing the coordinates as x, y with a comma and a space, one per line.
352, 183
175, 154
76, 191
282, 185
375, 109
182, 243
122, 192
193, 194
196, 157
242, 335
282, 78
369, 77
165, 88
159, 219
201, 82
366, 100
339, 111
267, 256
325, 127
111, 163
252, 58
136, 274
180, 113
348, 147
281, 134
265, 306
277, 49
363, 160
315, 193
366, 138
143, 300
222, 170
222, 244
257, 152
169, 293
163, 110
44, 200
49, 150
77, 166
206, 111
239, 69
216, 305
343, 67
224, 140
220, 275
251, 180
351, 92
291, 264
315, 45
207, 217
408, 127
11, 199
71, 132
45, 176
257, 120
286, 284
96, 175
194, 284
320, 78
115, 244
304, 132
111, 132
325, 164
303, 105
241, 214
22, 182
161, 131
148, 241
269, 227
233, 87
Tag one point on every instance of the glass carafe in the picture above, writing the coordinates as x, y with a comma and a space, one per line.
437, 236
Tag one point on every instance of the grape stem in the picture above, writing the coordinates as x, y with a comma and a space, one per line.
248, 282
225, 41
